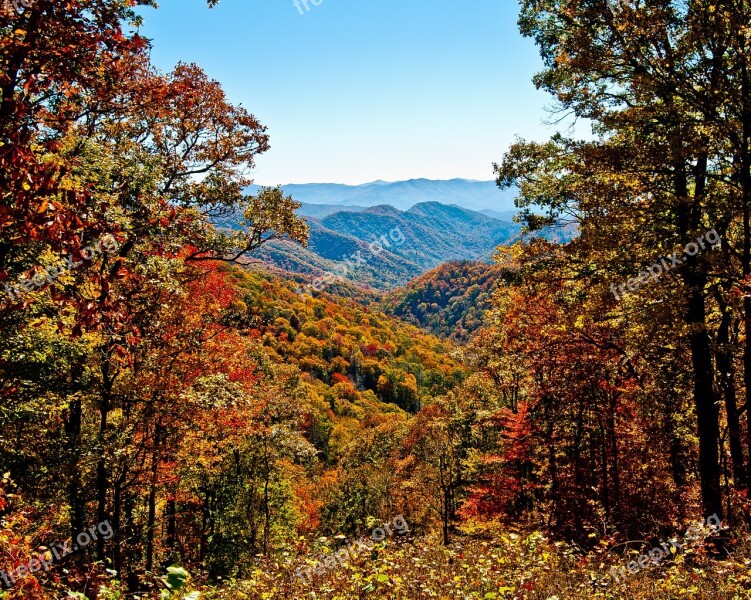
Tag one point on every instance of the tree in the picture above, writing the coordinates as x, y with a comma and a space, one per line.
666, 79
433, 468
95, 144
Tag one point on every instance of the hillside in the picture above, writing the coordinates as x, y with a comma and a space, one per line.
433, 233
449, 301
416, 241
345, 348
327, 250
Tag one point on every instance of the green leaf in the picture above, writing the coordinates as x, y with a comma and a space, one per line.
176, 577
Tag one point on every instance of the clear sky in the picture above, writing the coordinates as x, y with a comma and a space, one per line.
358, 90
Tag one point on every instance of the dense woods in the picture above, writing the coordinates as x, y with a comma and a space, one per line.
451, 300
176, 422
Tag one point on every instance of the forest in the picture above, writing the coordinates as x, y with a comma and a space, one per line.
177, 421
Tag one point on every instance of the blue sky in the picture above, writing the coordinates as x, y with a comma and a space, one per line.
355, 90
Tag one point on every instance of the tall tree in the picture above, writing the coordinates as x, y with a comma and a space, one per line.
656, 82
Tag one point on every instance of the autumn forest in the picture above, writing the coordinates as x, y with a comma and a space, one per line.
570, 418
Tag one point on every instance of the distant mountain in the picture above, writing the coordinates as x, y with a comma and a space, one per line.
501, 215
328, 251
433, 232
451, 300
411, 243
323, 210
467, 193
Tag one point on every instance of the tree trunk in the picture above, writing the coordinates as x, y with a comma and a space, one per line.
117, 519
101, 470
616, 475
75, 491
695, 280
171, 541
745, 181
446, 511
129, 536
707, 413
205, 516
605, 484
727, 382
151, 524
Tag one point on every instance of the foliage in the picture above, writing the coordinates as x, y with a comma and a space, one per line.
491, 564
214, 418
450, 300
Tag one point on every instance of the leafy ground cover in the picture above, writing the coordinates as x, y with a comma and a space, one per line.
506, 565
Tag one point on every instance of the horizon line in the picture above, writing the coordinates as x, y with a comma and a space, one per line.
379, 181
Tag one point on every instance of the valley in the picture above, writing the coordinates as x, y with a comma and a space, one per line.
433, 233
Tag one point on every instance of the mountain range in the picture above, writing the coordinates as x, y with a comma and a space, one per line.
412, 242
474, 195
439, 221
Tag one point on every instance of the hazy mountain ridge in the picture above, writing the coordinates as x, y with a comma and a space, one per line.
467, 193
327, 249
319, 211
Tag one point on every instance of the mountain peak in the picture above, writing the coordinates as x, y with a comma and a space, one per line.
435, 205
383, 209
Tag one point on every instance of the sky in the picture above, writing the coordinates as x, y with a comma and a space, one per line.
354, 91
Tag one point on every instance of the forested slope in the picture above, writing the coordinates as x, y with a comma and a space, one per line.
449, 301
